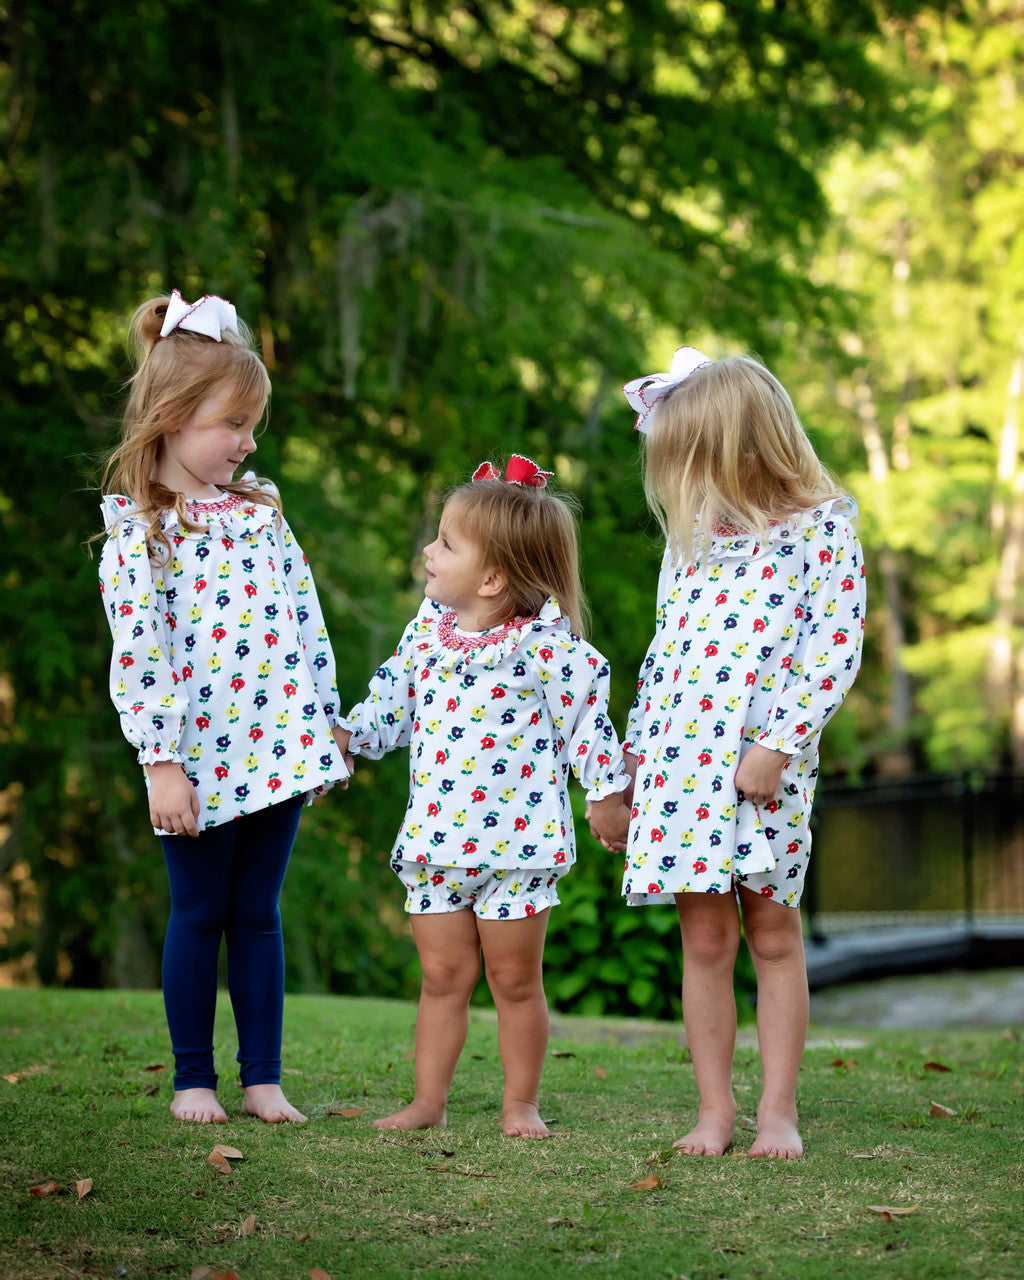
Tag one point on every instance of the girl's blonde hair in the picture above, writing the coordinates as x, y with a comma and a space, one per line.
726, 449
529, 536
173, 377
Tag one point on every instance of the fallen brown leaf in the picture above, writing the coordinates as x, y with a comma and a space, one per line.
248, 1226
601, 1073
940, 1112
936, 1066
890, 1213
202, 1273
225, 1275
229, 1153
157, 1066
347, 1112
300, 1239
83, 1186
316, 1274
648, 1184
219, 1162
47, 1188
843, 1062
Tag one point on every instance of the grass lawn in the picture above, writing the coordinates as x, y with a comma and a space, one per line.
86, 1081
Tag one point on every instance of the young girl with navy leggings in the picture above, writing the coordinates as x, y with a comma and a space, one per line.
223, 677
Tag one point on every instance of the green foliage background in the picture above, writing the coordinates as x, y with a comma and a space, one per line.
457, 231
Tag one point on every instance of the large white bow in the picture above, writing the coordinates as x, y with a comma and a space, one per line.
644, 393
210, 315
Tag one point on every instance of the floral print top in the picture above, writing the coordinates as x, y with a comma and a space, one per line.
758, 644
221, 659
494, 722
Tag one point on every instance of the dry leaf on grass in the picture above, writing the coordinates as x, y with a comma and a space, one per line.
47, 1188
225, 1275
601, 1073
936, 1066
843, 1062
940, 1112
316, 1274
248, 1226
83, 1186
202, 1273
306, 1235
347, 1112
229, 1153
157, 1066
648, 1184
220, 1162
890, 1213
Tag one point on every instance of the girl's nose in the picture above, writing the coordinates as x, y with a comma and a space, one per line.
249, 443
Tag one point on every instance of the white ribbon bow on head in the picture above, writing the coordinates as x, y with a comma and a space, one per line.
210, 315
644, 393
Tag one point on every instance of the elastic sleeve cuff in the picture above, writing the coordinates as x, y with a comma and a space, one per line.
609, 786
157, 755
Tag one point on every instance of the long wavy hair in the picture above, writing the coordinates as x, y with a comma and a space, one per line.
529, 535
173, 377
727, 449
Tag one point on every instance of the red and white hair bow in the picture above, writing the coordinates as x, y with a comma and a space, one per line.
644, 393
520, 470
210, 315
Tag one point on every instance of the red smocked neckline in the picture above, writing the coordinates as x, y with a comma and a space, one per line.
230, 502
450, 636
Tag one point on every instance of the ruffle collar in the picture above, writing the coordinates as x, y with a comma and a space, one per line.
748, 546
447, 645
232, 516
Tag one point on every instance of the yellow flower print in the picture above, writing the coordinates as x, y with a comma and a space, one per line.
302, 586
167, 700
804, 700
640, 860
705, 621
740, 648
670, 647
421, 877
715, 572
478, 713
768, 682
748, 596
501, 846
195, 613
689, 783
691, 729
422, 778
727, 864
232, 713
508, 793
728, 813
300, 769
787, 630
732, 703
550, 828
791, 582
414, 830
154, 653
264, 668
251, 761
144, 599
282, 719
687, 837
545, 675
516, 740
459, 818
245, 617
830, 609
214, 662
729, 757
433, 726
195, 752
224, 570
469, 765
213, 802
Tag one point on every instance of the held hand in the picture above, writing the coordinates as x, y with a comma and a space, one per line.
609, 822
343, 737
630, 761
759, 774
173, 803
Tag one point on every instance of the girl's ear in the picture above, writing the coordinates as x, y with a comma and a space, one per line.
493, 585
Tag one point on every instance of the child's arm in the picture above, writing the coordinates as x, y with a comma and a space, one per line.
316, 643
759, 774
343, 737
827, 652
151, 700
383, 721
609, 821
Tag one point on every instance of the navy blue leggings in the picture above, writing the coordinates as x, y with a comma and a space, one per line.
226, 883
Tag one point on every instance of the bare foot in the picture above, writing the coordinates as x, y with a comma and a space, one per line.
417, 1115
267, 1102
777, 1138
199, 1105
522, 1120
710, 1136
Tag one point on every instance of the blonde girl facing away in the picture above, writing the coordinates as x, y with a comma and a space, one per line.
760, 613
224, 680
497, 698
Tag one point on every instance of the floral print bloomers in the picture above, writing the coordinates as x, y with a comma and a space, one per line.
494, 722
759, 644
221, 659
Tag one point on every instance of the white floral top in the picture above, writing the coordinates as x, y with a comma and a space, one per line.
494, 722
221, 659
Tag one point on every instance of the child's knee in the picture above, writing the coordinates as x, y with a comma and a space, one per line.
443, 977
773, 943
515, 983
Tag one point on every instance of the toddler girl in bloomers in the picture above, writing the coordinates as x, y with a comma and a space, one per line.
497, 698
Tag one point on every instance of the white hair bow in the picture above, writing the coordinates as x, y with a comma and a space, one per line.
210, 315
644, 393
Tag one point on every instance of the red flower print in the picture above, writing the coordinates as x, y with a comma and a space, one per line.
126, 660
433, 810
559, 857
270, 638
659, 780
452, 704
657, 836
441, 757
487, 743
478, 795
581, 750
750, 678
237, 683
306, 739
527, 771
497, 691
218, 633
703, 812
825, 557
700, 867
220, 771
847, 584
437, 878
759, 624
530, 911
838, 637
249, 589
186, 672
200, 584
826, 683
468, 847
521, 824
801, 728
274, 783
255, 734
421, 857
768, 572
654, 888
706, 704
202, 722
767, 892
721, 597
792, 846
547, 654
289, 690
704, 757
711, 649
603, 759
125, 610
566, 700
